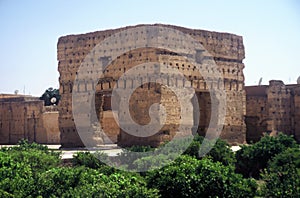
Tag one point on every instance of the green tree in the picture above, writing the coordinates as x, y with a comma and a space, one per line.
153, 162
252, 159
91, 160
31, 170
21, 165
16, 177
86, 182
51, 97
130, 154
190, 177
220, 150
282, 177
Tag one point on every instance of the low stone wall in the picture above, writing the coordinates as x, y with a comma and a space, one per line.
25, 117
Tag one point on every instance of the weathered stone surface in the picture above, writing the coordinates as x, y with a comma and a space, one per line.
49, 124
25, 117
226, 49
273, 108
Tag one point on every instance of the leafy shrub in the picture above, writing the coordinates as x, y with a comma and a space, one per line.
176, 145
190, 177
108, 170
91, 160
37, 156
282, 177
220, 151
86, 182
252, 159
55, 182
16, 177
20, 166
169, 151
130, 154
128, 185
140, 148
5, 194
31, 170
20, 169
153, 162
24, 145
146, 157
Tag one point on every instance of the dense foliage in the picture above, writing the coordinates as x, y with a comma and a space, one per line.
252, 159
136, 158
32, 170
189, 177
51, 97
282, 177
220, 151
21, 166
90, 160
86, 182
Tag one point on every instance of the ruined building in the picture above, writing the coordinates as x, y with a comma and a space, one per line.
26, 117
273, 108
251, 111
225, 49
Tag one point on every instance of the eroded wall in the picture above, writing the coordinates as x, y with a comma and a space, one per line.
227, 51
257, 115
295, 111
50, 133
271, 109
25, 117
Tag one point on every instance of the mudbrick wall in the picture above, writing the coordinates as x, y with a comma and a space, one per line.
25, 117
271, 109
226, 49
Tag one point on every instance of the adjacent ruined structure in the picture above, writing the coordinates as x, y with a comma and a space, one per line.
226, 50
26, 117
273, 108
251, 111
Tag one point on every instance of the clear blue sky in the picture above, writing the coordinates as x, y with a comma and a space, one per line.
30, 30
